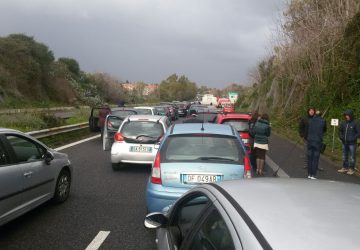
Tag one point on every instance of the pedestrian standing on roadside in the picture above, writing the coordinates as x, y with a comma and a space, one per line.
303, 131
349, 131
261, 132
103, 112
252, 121
314, 139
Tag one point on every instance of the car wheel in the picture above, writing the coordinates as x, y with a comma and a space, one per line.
117, 166
62, 189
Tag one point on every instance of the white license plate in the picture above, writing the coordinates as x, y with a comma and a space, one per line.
196, 178
245, 140
140, 149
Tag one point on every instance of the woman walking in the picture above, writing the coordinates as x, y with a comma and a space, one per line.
261, 133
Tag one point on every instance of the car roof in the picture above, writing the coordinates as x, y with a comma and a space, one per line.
209, 128
300, 213
143, 107
122, 109
152, 118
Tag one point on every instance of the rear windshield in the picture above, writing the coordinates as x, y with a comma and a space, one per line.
123, 113
239, 125
144, 111
137, 129
209, 148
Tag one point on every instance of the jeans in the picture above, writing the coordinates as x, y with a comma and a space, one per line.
349, 150
313, 157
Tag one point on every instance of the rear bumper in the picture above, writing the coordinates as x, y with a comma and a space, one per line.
120, 153
158, 197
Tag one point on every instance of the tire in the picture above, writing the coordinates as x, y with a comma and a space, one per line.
62, 189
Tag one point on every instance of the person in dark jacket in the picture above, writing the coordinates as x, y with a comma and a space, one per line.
314, 139
252, 121
303, 131
261, 133
349, 131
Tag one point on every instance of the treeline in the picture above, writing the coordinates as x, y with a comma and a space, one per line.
316, 62
31, 76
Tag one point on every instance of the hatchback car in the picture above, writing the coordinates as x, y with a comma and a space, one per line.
240, 121
146, 110
30, 174
137, 139
191, 154
266, 213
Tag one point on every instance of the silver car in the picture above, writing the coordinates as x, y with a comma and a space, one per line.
266, 213
137, 140
30, 174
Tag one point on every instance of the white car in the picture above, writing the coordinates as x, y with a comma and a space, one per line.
146, 110
137, 139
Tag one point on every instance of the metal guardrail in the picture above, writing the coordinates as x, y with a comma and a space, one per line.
58, 130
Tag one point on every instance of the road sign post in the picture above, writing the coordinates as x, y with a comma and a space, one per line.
334, 123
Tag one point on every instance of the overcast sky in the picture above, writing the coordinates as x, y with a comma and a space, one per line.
212, 42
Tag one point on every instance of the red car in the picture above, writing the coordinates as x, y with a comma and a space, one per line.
240, 121
228, 107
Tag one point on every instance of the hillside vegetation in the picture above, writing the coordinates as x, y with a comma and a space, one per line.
316, 62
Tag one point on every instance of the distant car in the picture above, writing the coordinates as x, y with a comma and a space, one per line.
183, 109
228, 107
195, 108
264, 213
145, 110
163, 111
191, 154
137, 139
240, 121
174, 109
30, 174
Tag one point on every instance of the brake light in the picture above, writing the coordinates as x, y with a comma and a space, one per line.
155, 173
119, 137
247, 167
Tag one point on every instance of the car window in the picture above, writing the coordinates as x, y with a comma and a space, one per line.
168, 123
144, 111
184, 217
224, 149
3, 157
239, 125
123, 113
133, 129
213, 234
25, 149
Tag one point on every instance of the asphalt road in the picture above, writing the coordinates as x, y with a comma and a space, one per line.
104, 200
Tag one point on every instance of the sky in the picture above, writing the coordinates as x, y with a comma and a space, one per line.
212, 42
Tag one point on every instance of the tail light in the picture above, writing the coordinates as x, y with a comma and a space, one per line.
247, 167
119, 137
155, 173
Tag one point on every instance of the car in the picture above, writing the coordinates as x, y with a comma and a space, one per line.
137, 139
183, 108
174, 109
191, 154
195, 108
228, 107
264, 213
112, 124
163, 111
30, 174
146, 110
240, 121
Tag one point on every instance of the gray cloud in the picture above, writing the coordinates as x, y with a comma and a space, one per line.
212, 42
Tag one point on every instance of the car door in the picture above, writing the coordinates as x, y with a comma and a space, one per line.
11, 183
38, 177
112, 124
94, 119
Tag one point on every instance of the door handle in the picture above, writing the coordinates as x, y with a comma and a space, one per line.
28, 174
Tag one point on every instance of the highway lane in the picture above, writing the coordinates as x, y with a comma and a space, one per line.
101, 200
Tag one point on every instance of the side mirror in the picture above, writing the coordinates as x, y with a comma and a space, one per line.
48, 157
155, 220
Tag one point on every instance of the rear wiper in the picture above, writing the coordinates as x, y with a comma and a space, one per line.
152, 137
214, 158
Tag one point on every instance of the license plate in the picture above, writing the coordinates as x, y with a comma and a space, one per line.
245, 140
196, 178
140, 149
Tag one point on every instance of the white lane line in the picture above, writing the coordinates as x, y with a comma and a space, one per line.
275, 167
76, 143
98, 240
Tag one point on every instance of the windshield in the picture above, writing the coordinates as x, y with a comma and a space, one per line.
144, 111
239, 125
210, 148
123, 113
135, 129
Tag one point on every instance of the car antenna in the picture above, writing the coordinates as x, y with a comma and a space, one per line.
202, 124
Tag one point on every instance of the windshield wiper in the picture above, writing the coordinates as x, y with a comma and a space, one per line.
214, 158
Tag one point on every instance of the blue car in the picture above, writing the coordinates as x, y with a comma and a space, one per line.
191, 154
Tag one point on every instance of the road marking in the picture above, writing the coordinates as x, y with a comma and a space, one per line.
76, 143
275, 167
98, 240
